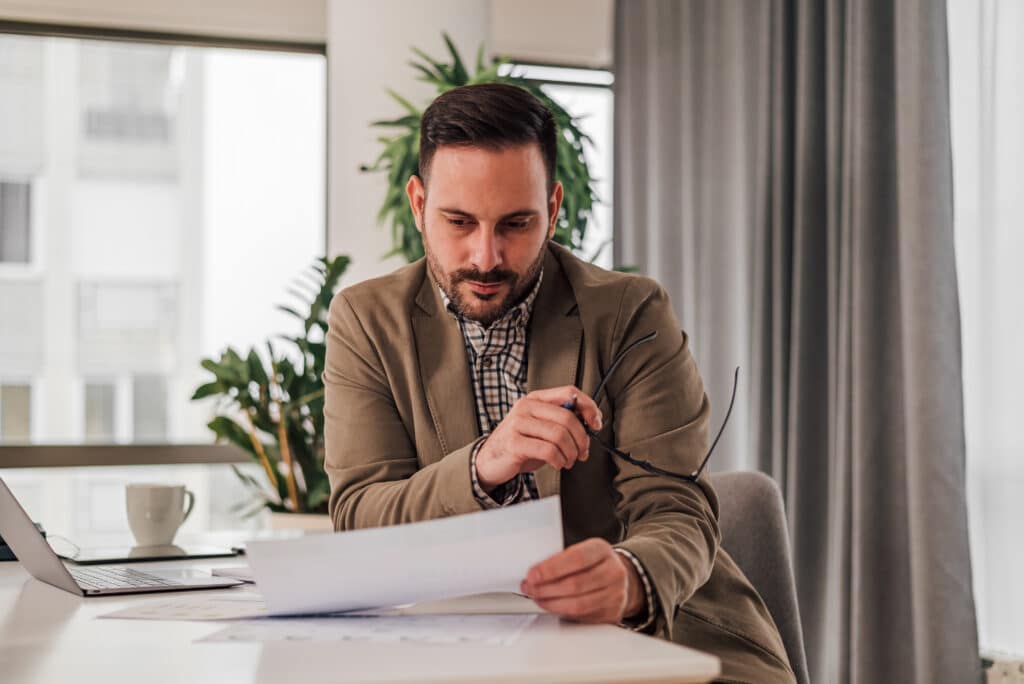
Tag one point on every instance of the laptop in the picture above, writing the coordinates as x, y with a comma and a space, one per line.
41, 562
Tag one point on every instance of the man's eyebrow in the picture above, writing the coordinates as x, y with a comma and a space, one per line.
520, 213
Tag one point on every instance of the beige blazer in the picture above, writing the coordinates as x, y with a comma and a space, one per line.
401, 422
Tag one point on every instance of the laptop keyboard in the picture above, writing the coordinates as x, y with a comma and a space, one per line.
118, 578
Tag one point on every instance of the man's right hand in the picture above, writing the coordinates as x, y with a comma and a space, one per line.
536, 431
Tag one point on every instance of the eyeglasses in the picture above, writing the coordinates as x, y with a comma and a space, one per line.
649, 467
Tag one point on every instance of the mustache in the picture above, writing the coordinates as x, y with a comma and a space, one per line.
493, 276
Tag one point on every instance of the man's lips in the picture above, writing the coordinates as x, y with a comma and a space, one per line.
485, 288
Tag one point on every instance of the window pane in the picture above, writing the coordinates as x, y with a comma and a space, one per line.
180, 190
22, 316
149, 408
128, 105
585, 94
99, 412
14, 223
15, 413
593, 106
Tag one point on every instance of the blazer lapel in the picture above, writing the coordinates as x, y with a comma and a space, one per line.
555, 336
444, 370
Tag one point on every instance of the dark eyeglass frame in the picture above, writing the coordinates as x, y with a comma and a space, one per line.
649, 467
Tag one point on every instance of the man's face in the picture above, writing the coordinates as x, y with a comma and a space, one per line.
485, 220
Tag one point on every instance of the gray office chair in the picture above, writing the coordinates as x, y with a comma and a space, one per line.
753, 524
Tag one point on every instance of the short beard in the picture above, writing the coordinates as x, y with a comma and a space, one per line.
518, 285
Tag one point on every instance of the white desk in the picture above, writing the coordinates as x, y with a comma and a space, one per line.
48, 635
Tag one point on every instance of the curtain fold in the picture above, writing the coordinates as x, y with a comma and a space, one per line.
784, 169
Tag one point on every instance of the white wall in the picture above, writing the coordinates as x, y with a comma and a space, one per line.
564, 32
368, 52
299, 21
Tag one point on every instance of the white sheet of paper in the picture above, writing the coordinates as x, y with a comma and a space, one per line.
488, 630
195, 607
494, 603
475, 553
203, 608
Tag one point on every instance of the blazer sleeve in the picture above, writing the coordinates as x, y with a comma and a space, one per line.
661, 416
371, 461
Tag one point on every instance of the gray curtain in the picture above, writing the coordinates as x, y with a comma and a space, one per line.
783, 168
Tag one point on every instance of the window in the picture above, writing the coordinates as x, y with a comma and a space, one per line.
15, 413
987, 107
15, 223
100, 412
587, 95
149, 408
180, 190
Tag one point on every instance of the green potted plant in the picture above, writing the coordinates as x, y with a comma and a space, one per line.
400, 154
271, 404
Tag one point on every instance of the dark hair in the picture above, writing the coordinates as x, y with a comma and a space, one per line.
494, 116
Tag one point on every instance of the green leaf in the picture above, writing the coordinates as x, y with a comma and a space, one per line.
207, 390
458, 69
255, 365
442, 70
318, 494
480, 66
290, 311
408, 106
228, 430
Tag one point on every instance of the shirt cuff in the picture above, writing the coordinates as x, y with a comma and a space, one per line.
645, 619
503, 495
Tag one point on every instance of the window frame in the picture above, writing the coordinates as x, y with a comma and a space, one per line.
81, 454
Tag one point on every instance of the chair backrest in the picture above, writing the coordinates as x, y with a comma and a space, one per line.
753, 524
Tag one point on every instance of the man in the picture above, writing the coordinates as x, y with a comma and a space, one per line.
446, 382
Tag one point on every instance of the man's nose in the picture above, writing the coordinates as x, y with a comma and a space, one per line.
486, 250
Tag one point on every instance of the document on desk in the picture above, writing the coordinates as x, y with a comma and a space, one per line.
489, 551
195, 607
483, 630
244, 605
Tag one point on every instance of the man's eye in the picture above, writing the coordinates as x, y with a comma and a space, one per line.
458, 221
517, 225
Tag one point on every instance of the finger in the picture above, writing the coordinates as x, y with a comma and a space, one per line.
589, 411
584, 405
602, 575
595, 603
528, 449
576, 558
531, 464
556, 433
564, 419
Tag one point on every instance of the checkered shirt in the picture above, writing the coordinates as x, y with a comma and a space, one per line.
497, 357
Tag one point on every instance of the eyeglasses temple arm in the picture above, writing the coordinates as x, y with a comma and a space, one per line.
618, 360
735, 384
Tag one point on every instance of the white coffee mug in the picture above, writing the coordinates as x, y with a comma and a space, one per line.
156, 511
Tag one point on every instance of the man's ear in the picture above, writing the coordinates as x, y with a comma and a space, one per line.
417, 199
554, 204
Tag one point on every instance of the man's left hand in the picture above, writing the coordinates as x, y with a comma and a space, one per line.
588, 582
